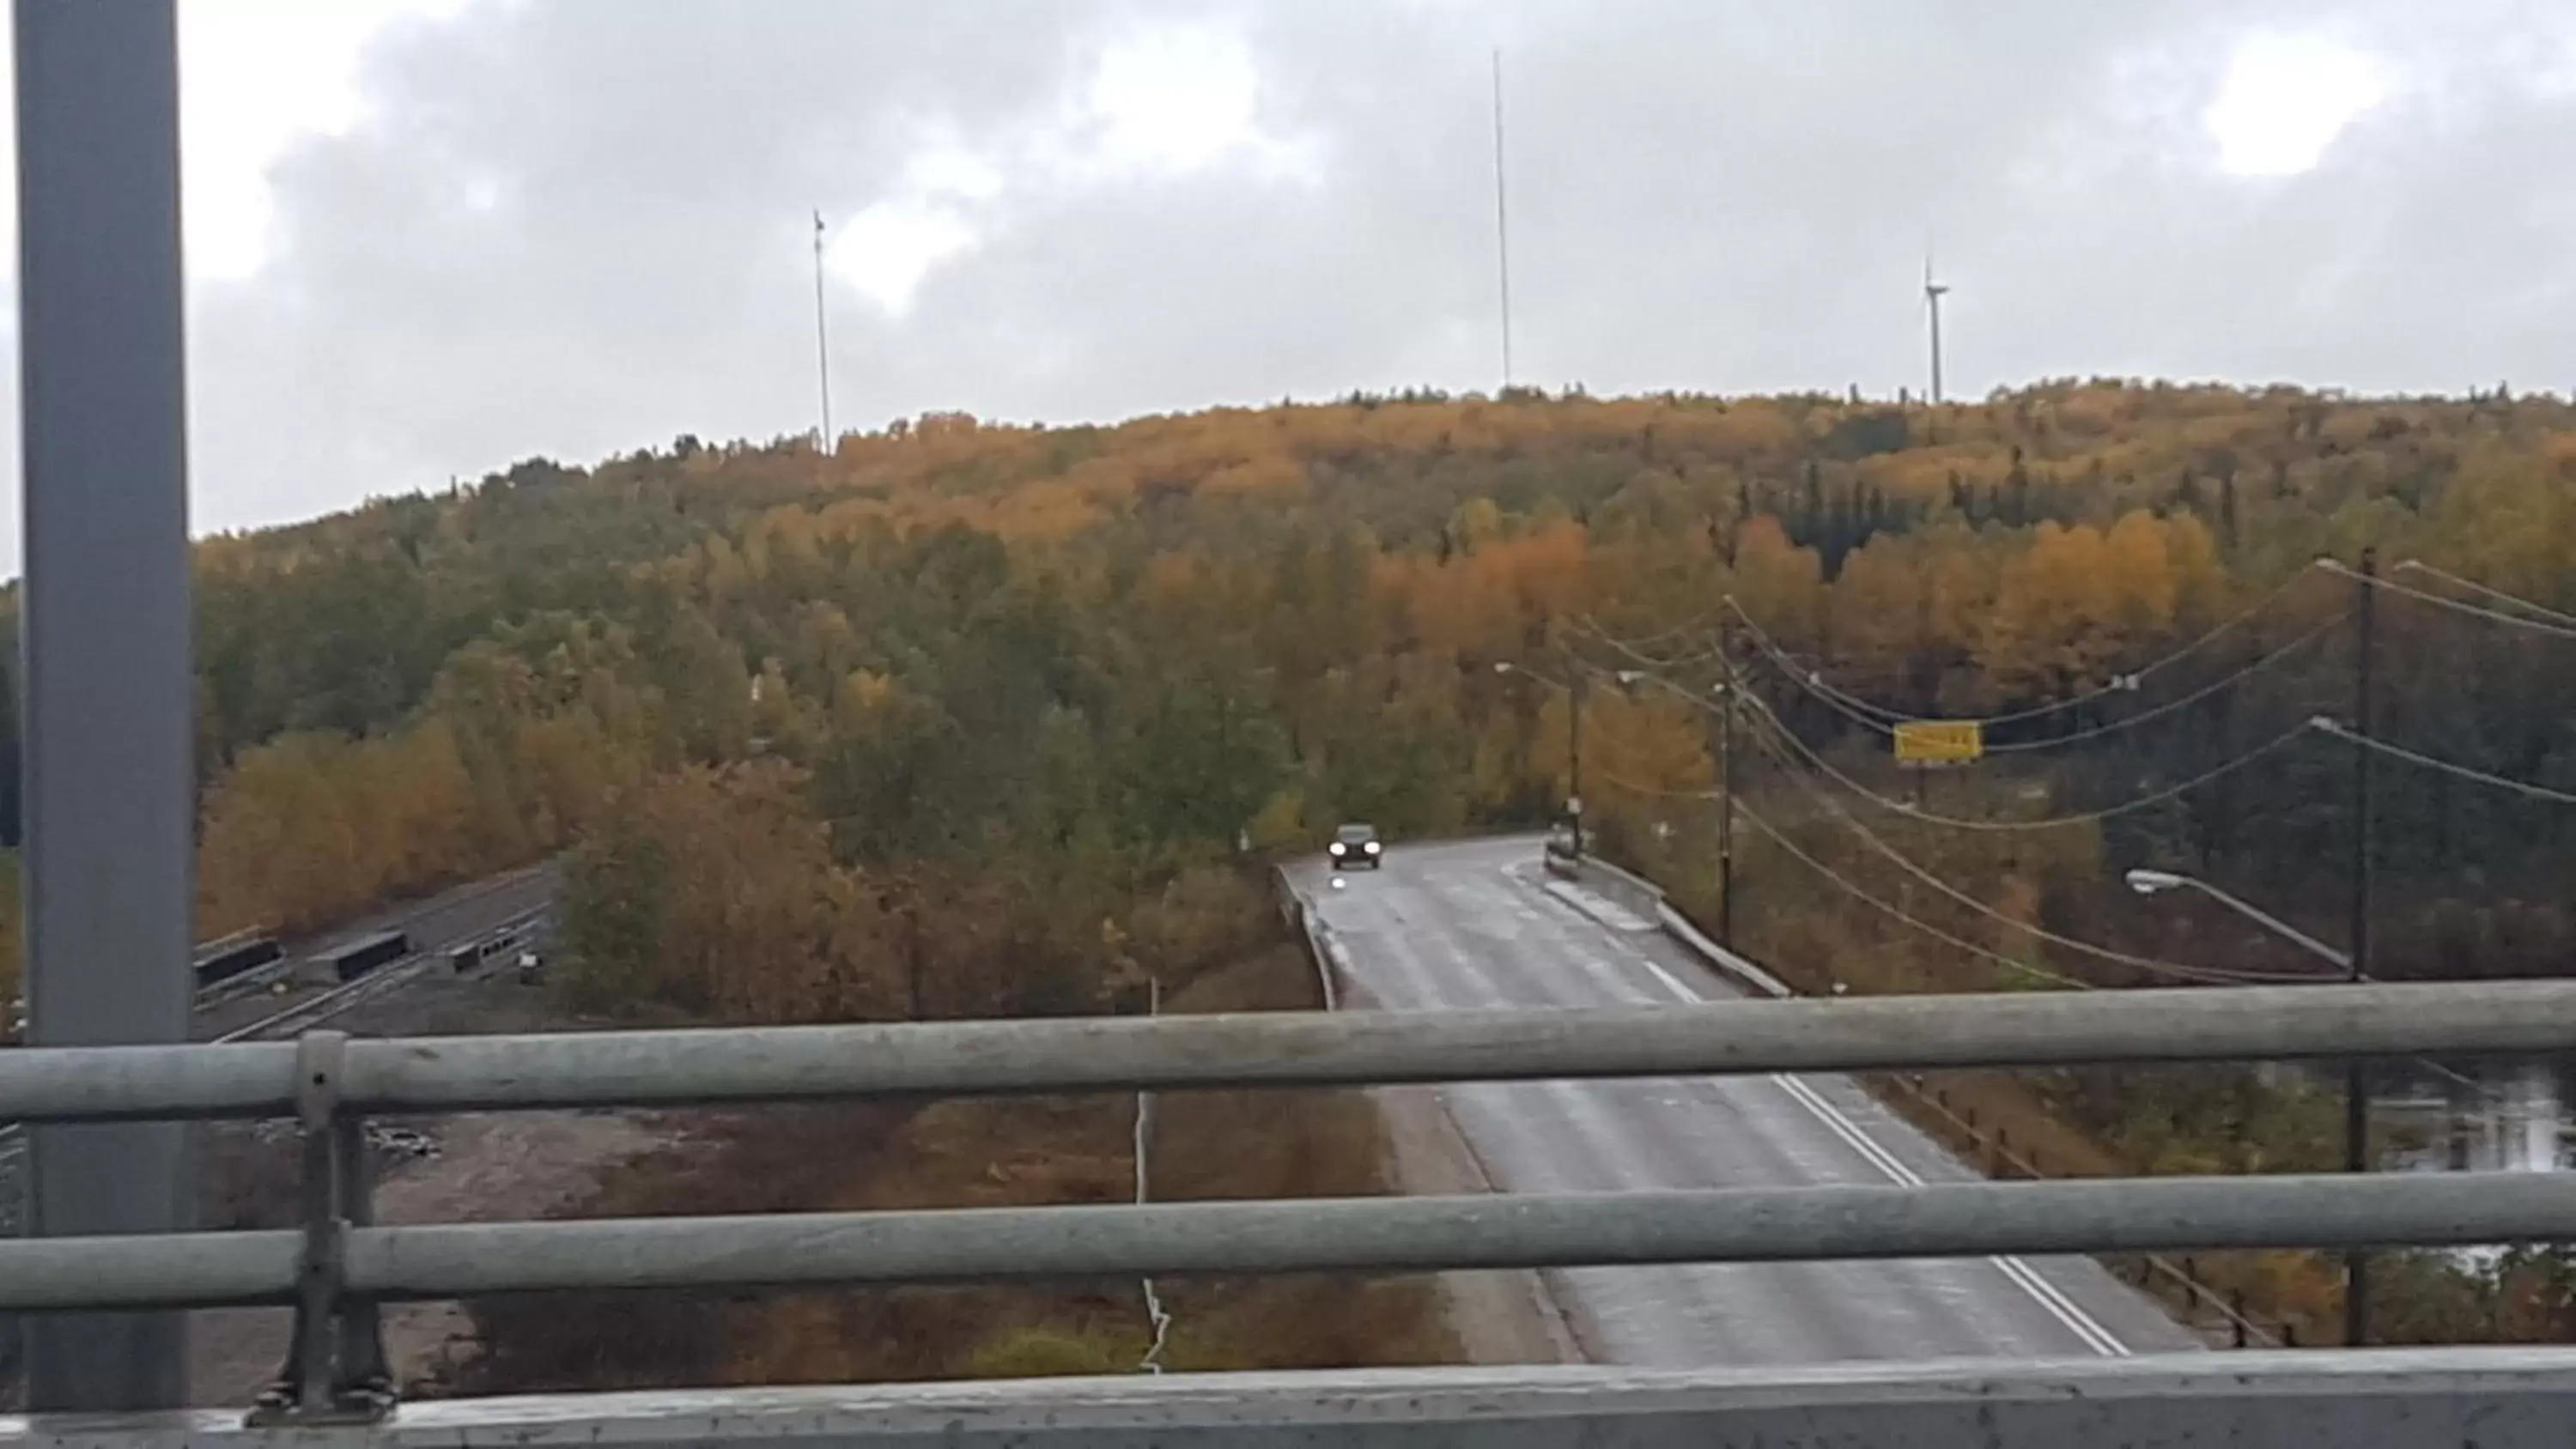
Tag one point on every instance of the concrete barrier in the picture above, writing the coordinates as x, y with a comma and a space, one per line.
1317, 936
1643, 897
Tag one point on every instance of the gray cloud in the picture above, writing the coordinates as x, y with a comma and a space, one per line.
575, 228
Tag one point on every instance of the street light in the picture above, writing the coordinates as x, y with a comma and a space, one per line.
2155, 882
1573, 742
2356, 1106
1625, 678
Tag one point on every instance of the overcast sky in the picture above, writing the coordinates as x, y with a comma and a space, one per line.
428, 237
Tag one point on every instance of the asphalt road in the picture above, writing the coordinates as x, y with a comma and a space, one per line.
1478, 924
450, 918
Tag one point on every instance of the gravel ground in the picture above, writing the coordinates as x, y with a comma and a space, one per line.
491, 1166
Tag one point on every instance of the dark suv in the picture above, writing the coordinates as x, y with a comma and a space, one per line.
1356, 847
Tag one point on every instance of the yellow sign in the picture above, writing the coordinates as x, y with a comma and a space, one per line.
1940, 742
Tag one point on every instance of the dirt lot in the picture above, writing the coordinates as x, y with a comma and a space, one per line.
485, 1166
990, 1153
1028, 1151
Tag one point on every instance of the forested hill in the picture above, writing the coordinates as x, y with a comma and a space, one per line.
1073, 659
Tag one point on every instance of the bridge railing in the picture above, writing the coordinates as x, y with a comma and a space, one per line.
337, 1267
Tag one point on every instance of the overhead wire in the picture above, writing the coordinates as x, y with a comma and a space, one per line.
1694, 628
1789, 847
1806, 680
2079, 817
2487, 591
2444, 601
1916, 869
2465, 772
2219, 630
1770, 732
1882, 720
2168, 969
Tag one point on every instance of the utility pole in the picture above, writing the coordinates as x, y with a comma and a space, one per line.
2356, 1100
110, 786
1502, 224
1574, 756
1932, 294
822, 344
1726, 785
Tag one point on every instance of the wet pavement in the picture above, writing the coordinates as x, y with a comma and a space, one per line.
1480, 924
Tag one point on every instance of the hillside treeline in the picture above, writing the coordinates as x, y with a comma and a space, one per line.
1022, 676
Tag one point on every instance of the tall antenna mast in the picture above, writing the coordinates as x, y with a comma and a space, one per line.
1932, 292
1502, 222
822, 344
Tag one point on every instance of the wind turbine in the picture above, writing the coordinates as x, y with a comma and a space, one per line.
1932, 294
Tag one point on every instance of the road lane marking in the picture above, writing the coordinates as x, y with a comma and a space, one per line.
2046, 1294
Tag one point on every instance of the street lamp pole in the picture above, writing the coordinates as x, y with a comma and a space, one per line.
1726, 787
1574, 762
2356, 1122
1574, 740
1574, 689
2150, 882
2356, 1104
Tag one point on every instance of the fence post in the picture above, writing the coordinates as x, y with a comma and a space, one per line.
335, 1369
2237, 1303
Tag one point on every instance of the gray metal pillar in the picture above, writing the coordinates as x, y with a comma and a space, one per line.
109, 698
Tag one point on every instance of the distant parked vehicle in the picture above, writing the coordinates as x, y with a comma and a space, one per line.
1356, 847
219, 961
352, 959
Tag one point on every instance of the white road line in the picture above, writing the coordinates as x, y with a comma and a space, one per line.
2046, 1294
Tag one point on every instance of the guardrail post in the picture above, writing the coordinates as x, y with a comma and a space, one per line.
2236, 1303
335, 1370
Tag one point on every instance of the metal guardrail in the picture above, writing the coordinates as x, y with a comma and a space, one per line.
2493, 1398
338, 1267
1303, 1235
1295, 1049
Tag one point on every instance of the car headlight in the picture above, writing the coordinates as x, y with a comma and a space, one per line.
1371, 847
1336, 847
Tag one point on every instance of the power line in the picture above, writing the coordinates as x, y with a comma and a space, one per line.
2465, 772
2308, 636
2462, 606
2206, 974
1780, 839
2232, 622
1631, 645
2499, 595
1776, 732
1910, 866
1663, 792
1917, 812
